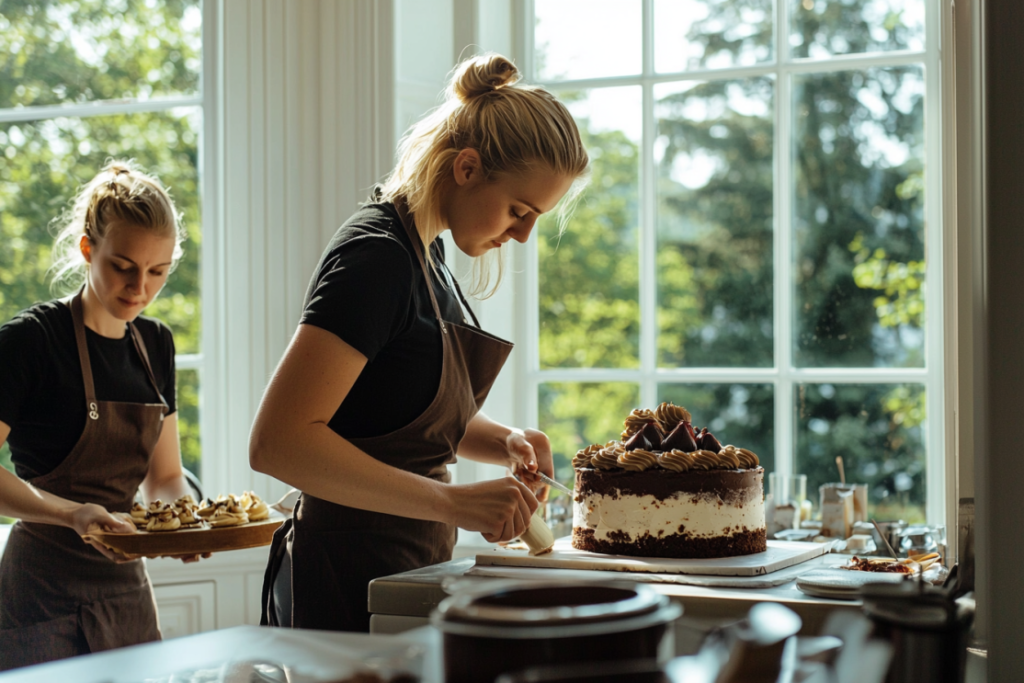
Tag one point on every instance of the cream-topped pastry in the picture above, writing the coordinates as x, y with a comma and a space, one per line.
163, 518
188, 512
227, 516
254, 506
139, 515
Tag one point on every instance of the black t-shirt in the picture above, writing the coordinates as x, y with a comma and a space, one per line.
42, 395
370, 291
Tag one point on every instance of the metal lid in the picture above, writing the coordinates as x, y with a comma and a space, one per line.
550, 603
910, 604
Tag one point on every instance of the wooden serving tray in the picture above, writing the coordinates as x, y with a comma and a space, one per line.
191, 541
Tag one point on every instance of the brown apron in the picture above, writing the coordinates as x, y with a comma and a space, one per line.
60, 597
334, 550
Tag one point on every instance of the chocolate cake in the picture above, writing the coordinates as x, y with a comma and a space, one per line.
668, 490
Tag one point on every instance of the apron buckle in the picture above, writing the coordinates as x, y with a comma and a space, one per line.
93, 412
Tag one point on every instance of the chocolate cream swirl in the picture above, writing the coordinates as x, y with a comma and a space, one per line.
614, 456
669, 416
746, 460
636, 421
705, 460
637, 460
584, 456
607, 458
675, 460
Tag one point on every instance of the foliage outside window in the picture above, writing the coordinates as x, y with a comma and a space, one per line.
752, 244
82, 81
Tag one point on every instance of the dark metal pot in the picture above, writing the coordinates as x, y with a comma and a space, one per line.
927, 629
512, 626
632, 671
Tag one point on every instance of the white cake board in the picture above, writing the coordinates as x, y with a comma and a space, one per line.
780, 554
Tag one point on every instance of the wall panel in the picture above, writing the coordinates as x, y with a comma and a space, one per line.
304, 85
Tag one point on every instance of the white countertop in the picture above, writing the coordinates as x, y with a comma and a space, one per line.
323, 651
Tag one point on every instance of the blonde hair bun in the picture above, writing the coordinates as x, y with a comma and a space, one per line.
121, 193
513, 127
482, 75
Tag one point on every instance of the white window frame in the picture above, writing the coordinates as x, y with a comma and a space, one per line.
784, 375
206, 101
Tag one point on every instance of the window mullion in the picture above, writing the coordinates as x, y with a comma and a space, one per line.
212, 379
785, 422
98, 108
188, 361
647, 228
937, 414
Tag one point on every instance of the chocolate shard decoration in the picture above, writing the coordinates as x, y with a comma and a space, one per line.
689, 430
680, 439
708, 442
653, 436
638, 441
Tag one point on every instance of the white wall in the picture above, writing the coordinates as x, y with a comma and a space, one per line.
300, 102
305, 129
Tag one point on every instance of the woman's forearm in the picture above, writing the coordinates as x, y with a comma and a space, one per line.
486, 441
21, 500
170, 490
316, 460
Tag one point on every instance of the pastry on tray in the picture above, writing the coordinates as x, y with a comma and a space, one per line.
228, 516
187, 528
163, 518
138, 516
254, 506
226, 510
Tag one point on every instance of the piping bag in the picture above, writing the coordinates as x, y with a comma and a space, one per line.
538, 537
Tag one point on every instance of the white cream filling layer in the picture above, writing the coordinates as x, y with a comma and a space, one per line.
702, 515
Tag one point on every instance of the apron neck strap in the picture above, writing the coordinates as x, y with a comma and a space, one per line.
83, 355
140, 347
419, 247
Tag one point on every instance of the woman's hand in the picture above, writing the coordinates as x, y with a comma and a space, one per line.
499, 509
89, 517
188, 559
529, 451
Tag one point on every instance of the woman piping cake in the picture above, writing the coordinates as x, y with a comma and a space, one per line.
384, 379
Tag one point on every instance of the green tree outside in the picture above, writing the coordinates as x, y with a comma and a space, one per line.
857, 273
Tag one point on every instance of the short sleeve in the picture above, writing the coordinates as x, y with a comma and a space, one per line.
362, 292
21, 342
169, 387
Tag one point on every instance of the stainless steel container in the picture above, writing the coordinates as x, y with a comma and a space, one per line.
927, 629
511, 626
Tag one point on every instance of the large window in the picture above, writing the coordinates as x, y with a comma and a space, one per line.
753, 242
80, 82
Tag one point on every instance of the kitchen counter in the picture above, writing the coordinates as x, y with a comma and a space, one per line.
405, 600
158, 661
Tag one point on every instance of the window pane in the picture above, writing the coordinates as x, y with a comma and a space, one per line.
577, 414
188, 421
588, 277
587, 39
739, 414
90, 50
879, 430
710, 34
858, 214
714, 156
46, 162
821, 28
